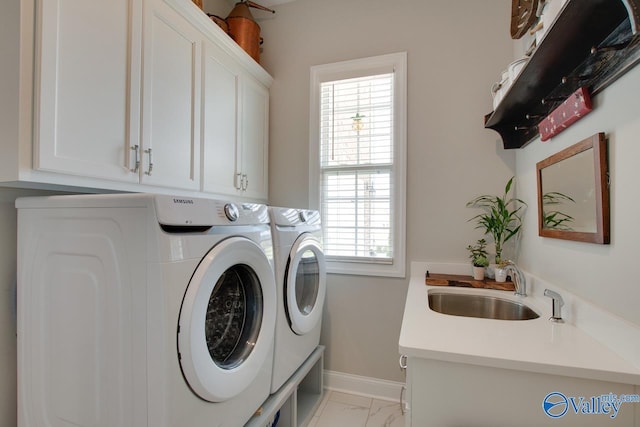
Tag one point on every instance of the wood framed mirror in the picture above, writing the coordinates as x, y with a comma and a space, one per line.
573, 193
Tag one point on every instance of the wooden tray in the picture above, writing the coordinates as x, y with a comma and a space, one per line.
467, 282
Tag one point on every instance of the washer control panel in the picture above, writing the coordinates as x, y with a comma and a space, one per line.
180, 211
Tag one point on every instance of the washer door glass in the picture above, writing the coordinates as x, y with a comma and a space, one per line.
305, 284
234, 316
227, 320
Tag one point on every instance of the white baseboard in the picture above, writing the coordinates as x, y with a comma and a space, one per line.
363, 386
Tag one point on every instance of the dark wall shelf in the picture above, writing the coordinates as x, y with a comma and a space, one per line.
591, 43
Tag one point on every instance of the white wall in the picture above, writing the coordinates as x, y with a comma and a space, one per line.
456, 50
602, 274
220, 8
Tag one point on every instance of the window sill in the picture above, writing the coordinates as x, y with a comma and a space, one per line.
395, 269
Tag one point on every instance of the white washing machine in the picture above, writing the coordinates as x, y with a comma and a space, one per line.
301, 282
143, 310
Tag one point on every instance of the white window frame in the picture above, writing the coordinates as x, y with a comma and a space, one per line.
396, 63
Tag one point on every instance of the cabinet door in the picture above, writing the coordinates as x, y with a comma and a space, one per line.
406, 397
87, 86
219, 115
254, 136
171, 100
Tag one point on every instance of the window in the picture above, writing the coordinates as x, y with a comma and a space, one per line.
357, 163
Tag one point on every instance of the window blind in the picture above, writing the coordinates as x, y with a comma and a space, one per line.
356, 161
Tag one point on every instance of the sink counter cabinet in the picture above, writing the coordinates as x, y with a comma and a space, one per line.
112, 96
441, 393
468, 371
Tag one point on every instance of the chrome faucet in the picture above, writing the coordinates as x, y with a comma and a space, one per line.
519, 280
557, 303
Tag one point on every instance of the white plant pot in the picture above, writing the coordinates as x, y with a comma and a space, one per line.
490, 271
501, 274
478, 273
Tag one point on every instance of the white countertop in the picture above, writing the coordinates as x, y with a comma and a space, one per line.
536, 345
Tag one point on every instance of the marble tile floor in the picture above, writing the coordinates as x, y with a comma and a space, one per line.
349, 410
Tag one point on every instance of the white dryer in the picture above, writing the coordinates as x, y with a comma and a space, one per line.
301, 286
143, 310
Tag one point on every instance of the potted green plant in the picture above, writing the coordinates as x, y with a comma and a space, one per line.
501, 217
478, 255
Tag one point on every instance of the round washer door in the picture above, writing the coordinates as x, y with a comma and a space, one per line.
227, 320
305, 284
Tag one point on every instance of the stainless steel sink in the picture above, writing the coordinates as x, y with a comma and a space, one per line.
483, 306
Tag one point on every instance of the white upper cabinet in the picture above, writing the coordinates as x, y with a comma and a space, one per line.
254, 137
170, 149
235, 126
87, 86
220, 122
122, 95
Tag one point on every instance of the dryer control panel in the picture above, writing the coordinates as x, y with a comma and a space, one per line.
289, 217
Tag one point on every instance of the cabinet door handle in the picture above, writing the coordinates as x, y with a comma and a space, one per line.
137, 159
403, 366
238, 181
245, 182
148, 172
403, 362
